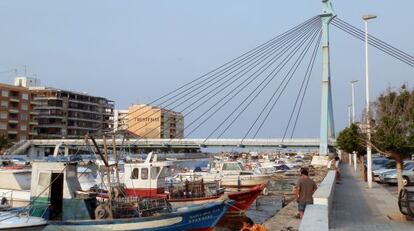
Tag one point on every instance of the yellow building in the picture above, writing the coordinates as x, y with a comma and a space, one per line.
154, 122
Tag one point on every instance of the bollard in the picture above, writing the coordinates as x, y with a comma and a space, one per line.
355, 161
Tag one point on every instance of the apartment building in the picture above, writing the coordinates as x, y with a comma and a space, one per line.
68, 114
120, 120
154, 122
17, 116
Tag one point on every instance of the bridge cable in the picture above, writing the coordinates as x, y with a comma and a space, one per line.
382, 46
281, 92
303, 96
273, 61
284, 52
375, 39
303, 87
287, 39
232, 63
276, 43
274, 73
291, 72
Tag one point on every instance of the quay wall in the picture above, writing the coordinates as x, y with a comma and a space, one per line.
317, 216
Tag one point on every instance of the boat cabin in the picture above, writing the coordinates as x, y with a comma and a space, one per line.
146, 179
56, 193
230, 168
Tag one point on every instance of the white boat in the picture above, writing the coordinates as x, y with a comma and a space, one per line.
231, 174
15, 185
13, 220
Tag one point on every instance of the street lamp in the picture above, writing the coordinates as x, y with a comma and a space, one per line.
349, 116
353, 99
369, 154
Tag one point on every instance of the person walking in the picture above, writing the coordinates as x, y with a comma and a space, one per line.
305, 187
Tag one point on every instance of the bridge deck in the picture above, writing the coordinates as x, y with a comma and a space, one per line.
192, 142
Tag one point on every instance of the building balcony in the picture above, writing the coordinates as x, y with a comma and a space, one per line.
82, 128
47, 107
32, 102
12, 132
34, 113
83, 102
43, 98
33, 133
51, 125
11, 121
16, 100
47, 116
83, 110
33, 123
14, 111
83, 119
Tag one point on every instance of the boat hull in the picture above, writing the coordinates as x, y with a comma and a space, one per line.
28, 228
200, 218
244, 182
177, 203
13, 221
243, 200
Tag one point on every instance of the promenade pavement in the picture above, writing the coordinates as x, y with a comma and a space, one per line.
356, 207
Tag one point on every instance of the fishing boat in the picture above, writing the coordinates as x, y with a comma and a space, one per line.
148, 179
57, 196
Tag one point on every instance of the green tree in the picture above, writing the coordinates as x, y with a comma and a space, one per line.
393, 126
350, 140
4, 143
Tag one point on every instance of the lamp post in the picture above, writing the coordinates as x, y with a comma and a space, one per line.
349, 116
366, 18
353, 99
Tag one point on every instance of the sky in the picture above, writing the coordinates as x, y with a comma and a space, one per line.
135, 51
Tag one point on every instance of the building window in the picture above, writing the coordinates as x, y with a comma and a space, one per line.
25, 96
25, 106
135, 173
5, 93
4, 103
23, 117
3, 115
144, 173
3, 126
23, 127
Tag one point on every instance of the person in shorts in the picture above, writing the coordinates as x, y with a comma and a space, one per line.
305, 187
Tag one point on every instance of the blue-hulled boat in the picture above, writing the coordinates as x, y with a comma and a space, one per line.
57, 196
197, 218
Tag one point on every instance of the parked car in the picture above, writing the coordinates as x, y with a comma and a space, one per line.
389, 166
407, 174
379, 163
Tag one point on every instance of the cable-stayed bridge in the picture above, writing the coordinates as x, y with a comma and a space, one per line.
256, 82
188, 143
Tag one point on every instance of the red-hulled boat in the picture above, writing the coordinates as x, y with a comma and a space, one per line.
244, 199
147, 179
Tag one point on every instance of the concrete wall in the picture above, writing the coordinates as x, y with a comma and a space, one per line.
317, 215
